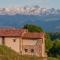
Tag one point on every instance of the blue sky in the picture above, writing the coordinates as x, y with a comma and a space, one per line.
41, 3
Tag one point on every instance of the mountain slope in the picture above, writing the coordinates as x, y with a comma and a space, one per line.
50, 23
48, 19
29, 11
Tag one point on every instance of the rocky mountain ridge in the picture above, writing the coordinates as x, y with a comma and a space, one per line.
29, 11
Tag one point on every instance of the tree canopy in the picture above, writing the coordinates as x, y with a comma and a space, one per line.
48, 42
33, 28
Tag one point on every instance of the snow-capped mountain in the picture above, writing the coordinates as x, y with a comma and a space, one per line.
28, 11
48, 19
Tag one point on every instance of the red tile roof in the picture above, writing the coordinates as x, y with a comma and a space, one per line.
33, 35
20, 33
11, 32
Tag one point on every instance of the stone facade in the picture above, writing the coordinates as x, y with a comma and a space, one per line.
32, 44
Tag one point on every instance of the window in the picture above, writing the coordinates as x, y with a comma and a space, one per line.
26, 50
32, 50
14, 40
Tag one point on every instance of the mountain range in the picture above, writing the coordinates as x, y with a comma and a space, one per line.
48, 19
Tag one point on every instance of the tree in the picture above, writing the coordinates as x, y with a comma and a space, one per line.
57, 43
55, 50
33, 28
48, 42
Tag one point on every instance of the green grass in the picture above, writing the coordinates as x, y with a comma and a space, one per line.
8, 54
52, 58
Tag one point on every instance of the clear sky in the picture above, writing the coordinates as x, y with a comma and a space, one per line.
41, 3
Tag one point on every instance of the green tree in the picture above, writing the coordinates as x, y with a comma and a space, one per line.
48, 42
33, 28
57, 43
55, 50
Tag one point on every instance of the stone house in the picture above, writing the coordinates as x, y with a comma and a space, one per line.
23, 42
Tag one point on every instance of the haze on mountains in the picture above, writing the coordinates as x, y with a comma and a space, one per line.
48, 19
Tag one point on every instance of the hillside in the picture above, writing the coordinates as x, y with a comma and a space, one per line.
8, 54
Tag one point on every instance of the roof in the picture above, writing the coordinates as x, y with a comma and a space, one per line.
11, 32
20, 33
34, 35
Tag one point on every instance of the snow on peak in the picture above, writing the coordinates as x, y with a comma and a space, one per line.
28, 11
